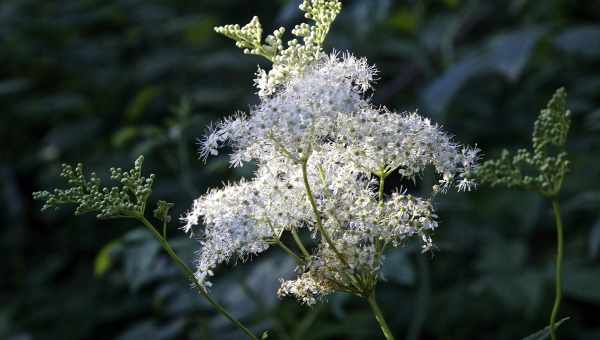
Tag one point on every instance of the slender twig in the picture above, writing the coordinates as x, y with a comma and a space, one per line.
300, 244
558, 277
381, 189
261, 305
353, 279
317, 214
379, 317
328, 193
275, 240
190, 276
305, 324
378, 243
290, 252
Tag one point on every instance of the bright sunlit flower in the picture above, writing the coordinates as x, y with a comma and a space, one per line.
323, 152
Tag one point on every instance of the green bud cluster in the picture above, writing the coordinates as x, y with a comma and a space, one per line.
297, 54
128, 199
161, 212
249, 38
543, 168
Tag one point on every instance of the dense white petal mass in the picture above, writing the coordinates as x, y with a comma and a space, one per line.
301, 113
379, 141
321, 148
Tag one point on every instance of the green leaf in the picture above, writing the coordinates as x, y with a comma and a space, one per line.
508, 53
582, 283
141, 101
505, 54
12, 86
265, 335
103, 260
198, 31
150, 330
398, 268
139, 258
404, 19
544, 333
124, 135
595, 240
583, 41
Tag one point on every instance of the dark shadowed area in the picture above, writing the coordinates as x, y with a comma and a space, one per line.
104, 81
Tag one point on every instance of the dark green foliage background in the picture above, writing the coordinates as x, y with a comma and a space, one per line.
98, 82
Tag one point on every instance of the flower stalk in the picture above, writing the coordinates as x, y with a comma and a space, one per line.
300, 244
558, 274
548, 157
128, 200
189, 274
315, 209
318, 106
379, 317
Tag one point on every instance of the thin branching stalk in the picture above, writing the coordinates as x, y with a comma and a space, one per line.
300, 244
190, 275
559, 260
290, 252
370, 294
379, 317
317, 213
356, 281
380, 245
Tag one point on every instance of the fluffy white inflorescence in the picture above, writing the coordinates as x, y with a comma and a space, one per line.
320, 129
380, 141
241, 218
300, 115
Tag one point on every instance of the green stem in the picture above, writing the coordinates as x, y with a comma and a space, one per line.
354, 280
297, 258
190, 276
559, 259
379, 317
379, 245
317, 213
300, 244
329, 194
305, 324
381, 189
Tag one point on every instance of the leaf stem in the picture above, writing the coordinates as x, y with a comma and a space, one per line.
190, 276
297, 258
559, 260
300, 244
379, 317
354, 280
379, 244
313, 204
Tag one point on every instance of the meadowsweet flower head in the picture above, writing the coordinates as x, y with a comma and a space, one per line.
323, 151
381, 142
301, 114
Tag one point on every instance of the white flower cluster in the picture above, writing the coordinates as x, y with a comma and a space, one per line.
323, 152
320, 140
380, 141
305, 110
